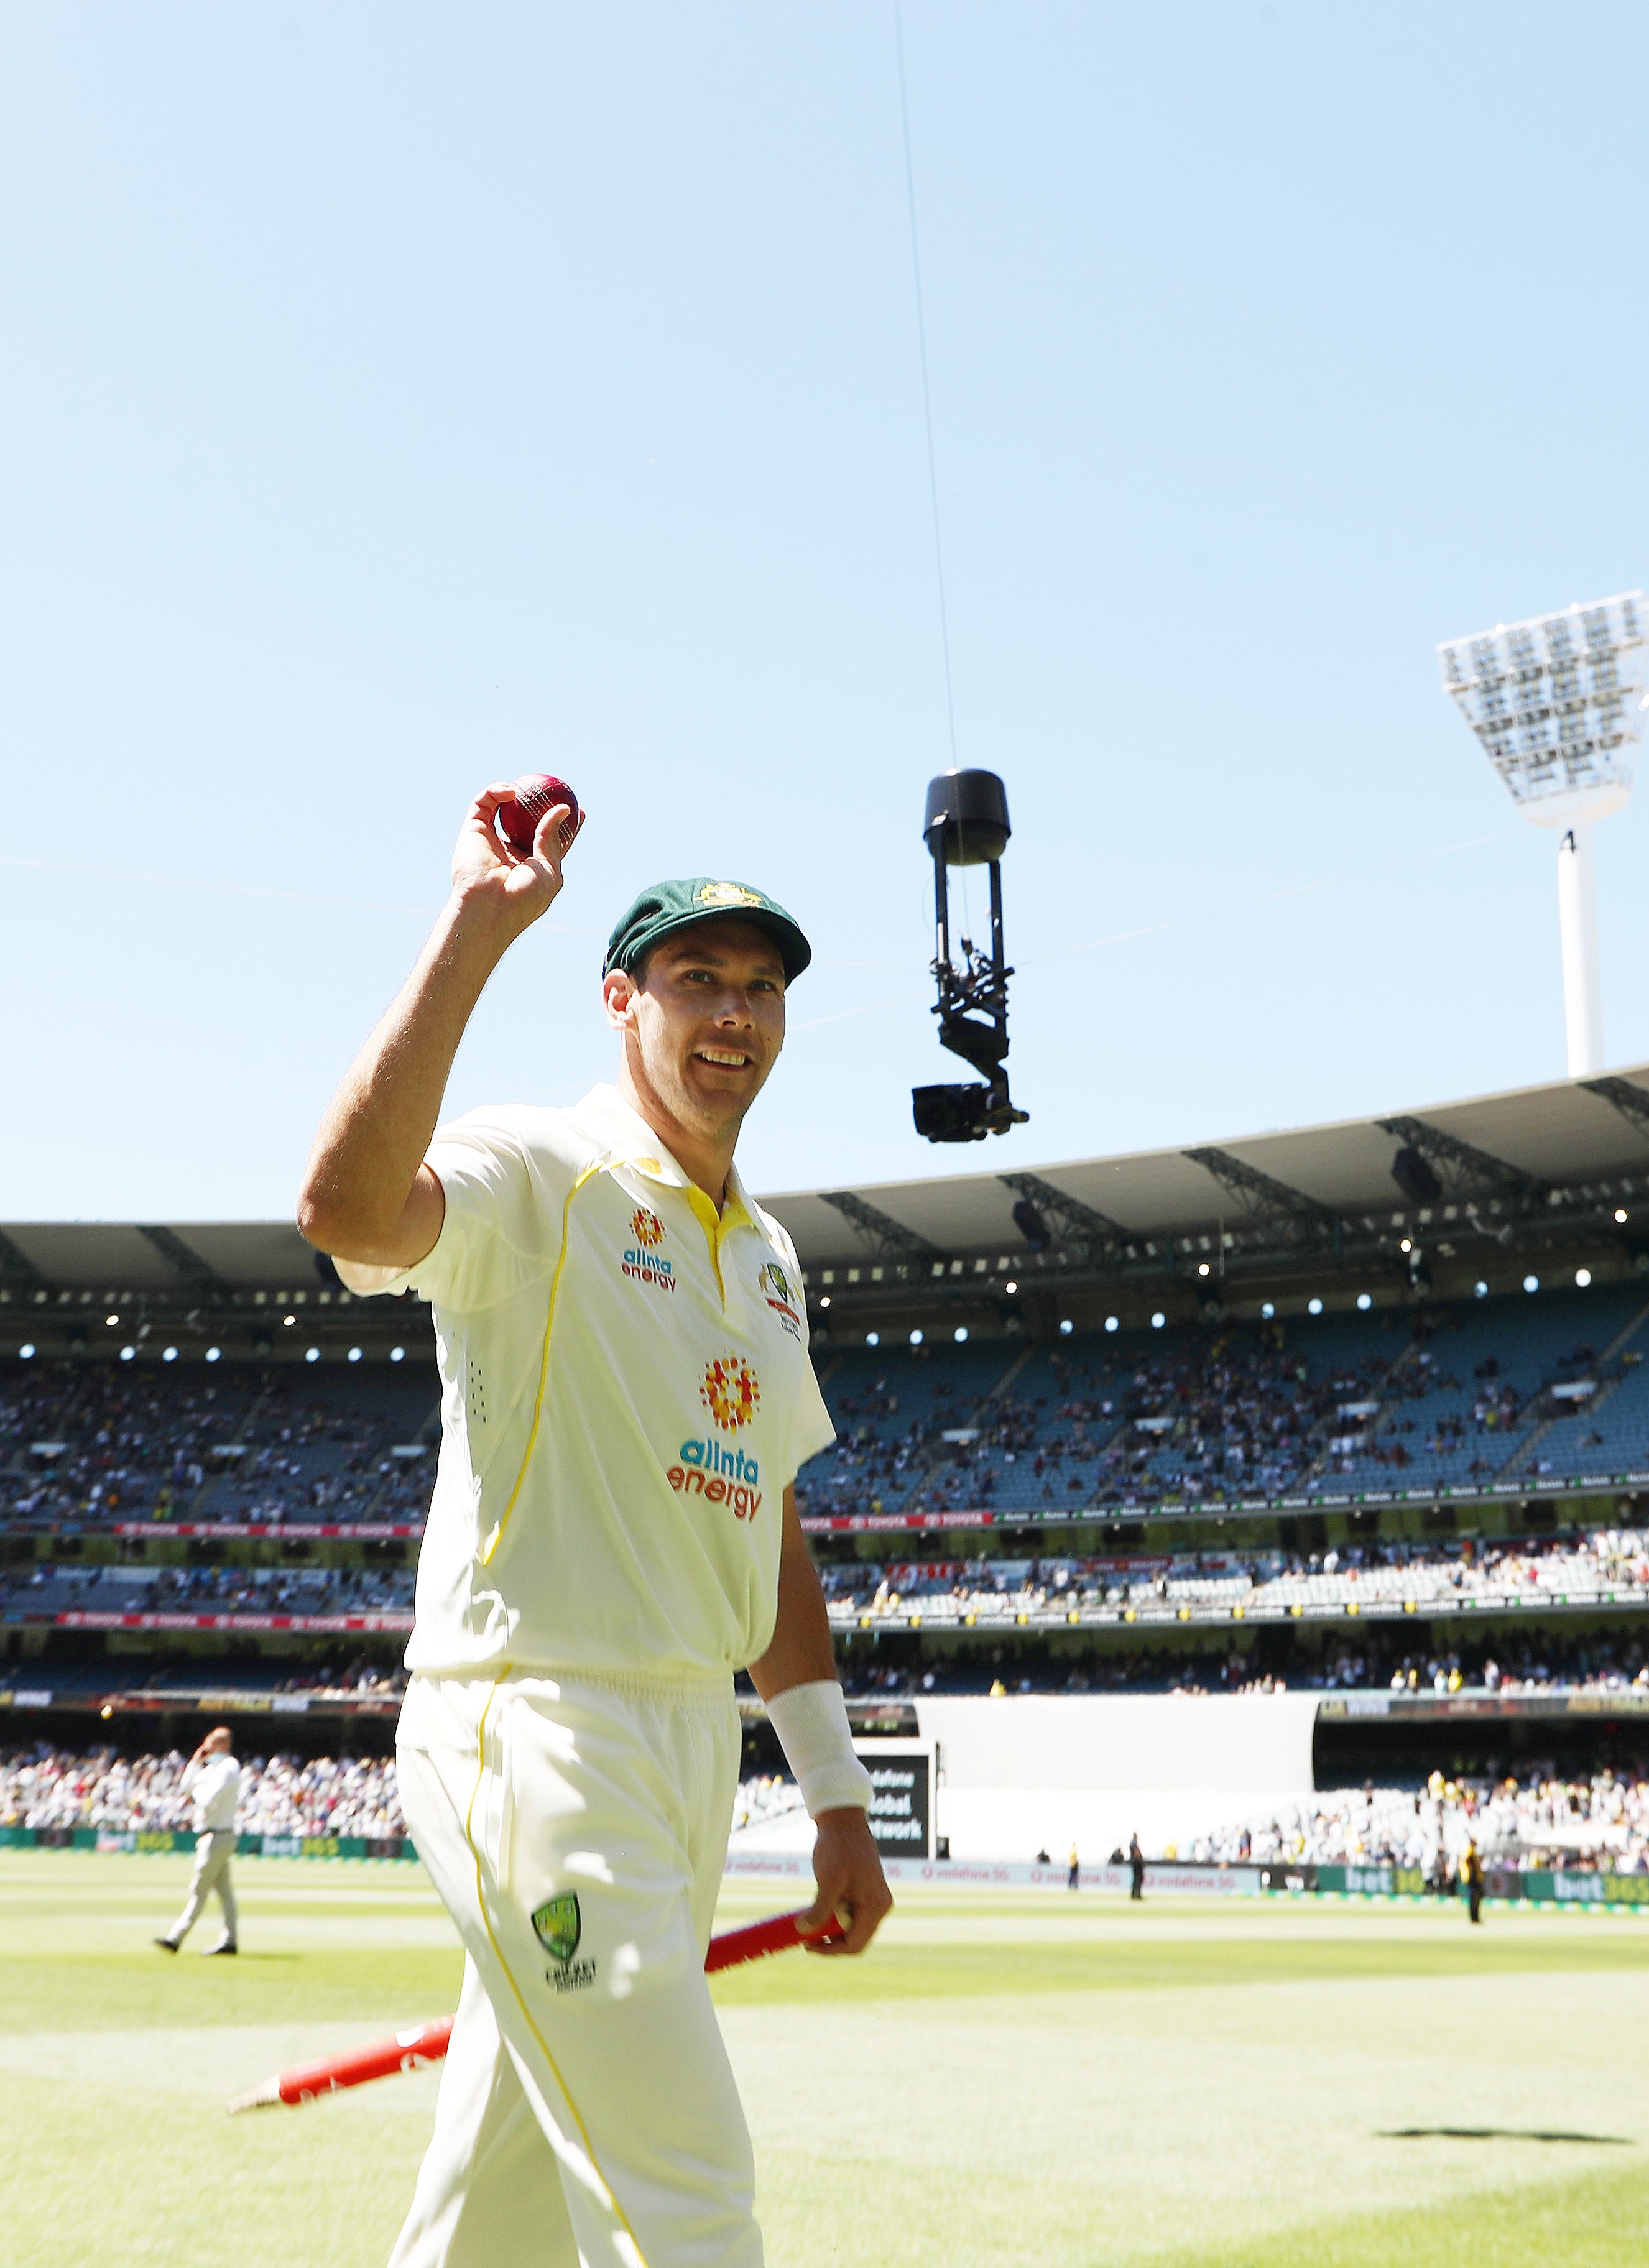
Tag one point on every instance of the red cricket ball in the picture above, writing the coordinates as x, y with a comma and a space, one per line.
536, 793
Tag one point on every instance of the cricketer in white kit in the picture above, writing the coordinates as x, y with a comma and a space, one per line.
627, 1397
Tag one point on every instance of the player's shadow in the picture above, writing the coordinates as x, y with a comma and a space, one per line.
1495, 2135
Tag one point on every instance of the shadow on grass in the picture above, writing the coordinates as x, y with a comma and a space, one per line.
1495, 2135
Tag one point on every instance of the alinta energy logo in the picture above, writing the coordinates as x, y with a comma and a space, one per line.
731, 1393
643, 1261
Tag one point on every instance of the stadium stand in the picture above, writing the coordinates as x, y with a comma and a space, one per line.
128, 1518
282, 1795
1214, 1421
1553, 1663
1609, 1566
44, 1787
87, 1440
1529, 1826
214, 1592
1466, 1395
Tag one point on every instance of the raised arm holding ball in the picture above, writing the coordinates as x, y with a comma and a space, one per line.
627, 1397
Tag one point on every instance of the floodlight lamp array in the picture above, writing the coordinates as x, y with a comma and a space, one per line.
1556, 701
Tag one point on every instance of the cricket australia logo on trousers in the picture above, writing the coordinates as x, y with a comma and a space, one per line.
558, 1926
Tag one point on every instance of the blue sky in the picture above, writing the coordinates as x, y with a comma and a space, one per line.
394, 400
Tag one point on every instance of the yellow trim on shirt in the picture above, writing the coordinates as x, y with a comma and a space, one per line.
492, 1541
486, 1923
717, 1226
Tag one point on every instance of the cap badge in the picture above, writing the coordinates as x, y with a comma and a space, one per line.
726, 894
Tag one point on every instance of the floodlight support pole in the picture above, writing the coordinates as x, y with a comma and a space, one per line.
1558, 705
1582, 978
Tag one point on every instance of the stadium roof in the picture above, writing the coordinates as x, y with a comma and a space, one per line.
1514, 1167
1567, 1136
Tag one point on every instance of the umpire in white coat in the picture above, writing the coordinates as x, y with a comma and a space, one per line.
212, 1777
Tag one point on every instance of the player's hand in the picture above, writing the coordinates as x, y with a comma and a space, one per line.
847, 1869
488, 870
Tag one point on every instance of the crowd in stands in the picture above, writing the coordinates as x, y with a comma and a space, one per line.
1541, 1822
93, 1441
282, 1795
1495, 1390
1603, 1564
769, 1796
1238, 1412
111, 1589
46, 1787
89, 1441
1596, 1563
360, 1677
1551, 1663
1533, 1571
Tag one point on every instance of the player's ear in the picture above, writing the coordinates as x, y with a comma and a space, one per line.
618, 997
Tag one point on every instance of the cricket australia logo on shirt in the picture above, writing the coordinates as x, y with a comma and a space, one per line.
558, 1926
731, 1393
644, 1263
780, 1294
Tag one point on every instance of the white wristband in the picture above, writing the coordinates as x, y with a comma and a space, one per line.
812, 1724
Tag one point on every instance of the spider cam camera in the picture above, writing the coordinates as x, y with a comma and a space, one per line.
967, 825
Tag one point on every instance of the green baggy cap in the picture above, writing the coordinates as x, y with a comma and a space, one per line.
668, 906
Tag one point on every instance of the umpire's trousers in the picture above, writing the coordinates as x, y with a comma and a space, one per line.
213, 1850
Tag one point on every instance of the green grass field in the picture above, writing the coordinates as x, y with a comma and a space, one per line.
1003, 2080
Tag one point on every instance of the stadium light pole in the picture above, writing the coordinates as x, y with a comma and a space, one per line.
1557, 703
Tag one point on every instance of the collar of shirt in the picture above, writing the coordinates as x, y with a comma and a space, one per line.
632, 1143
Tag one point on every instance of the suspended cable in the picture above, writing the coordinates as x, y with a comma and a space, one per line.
927, 399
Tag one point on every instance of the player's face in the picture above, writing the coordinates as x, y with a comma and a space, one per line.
708, 1022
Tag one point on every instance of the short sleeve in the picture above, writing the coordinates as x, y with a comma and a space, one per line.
811, 1426
503, 1204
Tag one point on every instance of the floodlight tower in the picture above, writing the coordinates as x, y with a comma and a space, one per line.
1558, 705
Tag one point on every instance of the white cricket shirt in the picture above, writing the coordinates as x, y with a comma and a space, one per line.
626, 1395
215, 1786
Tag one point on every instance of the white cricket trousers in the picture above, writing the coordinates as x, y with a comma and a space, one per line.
213, 1850
587, 2114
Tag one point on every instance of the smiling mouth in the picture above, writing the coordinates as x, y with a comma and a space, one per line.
723, 1058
